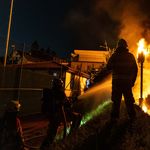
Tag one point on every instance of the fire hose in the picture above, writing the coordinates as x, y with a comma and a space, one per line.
37, 136
64, 122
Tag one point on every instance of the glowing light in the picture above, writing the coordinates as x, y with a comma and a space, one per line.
82, 84
143, 52
67, 84
143, 46
144, 108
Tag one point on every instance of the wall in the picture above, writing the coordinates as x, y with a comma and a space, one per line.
30, 84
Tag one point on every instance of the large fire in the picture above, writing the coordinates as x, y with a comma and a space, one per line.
144, 48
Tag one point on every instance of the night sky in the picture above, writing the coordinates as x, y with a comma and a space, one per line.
64, 25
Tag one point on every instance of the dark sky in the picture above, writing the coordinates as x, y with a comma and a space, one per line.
37, 20
64, 25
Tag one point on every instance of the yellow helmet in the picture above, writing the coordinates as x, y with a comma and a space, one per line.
13, 106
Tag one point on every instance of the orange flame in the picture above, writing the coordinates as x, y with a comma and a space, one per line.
144, 108
143, 46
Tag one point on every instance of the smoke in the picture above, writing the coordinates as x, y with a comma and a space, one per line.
100, 20
89, 28
130, 15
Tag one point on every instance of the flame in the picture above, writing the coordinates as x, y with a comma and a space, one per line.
144, 108
143, 46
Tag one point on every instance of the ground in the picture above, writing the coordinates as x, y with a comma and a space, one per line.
99, 133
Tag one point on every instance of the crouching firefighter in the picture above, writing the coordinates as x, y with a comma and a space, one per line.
57, 109
11, 137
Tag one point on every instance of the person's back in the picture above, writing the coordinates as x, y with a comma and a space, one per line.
58, 110
11, 130
52, 102
123, 66
124, 73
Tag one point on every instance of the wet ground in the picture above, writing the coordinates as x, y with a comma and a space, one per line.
34, 130
98, 133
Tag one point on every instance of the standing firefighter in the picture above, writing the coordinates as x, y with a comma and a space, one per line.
55, 107
124, 73
11, 136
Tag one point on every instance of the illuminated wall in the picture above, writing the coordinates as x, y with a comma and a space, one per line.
74, 84
92, 55
67, 84
82, 84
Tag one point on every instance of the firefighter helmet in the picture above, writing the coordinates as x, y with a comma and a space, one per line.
13, 106
122, 43
57, 83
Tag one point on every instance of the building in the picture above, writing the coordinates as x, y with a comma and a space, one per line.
26, 76
89, 61
26, 82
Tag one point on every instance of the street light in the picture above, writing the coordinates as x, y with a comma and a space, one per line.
141, 59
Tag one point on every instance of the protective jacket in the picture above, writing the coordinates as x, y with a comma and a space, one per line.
52, 102
11, 137
123, 66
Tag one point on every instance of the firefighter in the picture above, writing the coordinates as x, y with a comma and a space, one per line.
56, 107
124, 72
11, 129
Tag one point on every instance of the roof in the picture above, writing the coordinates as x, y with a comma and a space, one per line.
81, 51
49, 65
37, 65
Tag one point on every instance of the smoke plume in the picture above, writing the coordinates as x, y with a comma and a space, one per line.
131, 17
98, 20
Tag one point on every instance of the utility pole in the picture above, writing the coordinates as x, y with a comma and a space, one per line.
8, 33
141, 59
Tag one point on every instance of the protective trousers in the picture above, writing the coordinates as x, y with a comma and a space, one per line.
117, 92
